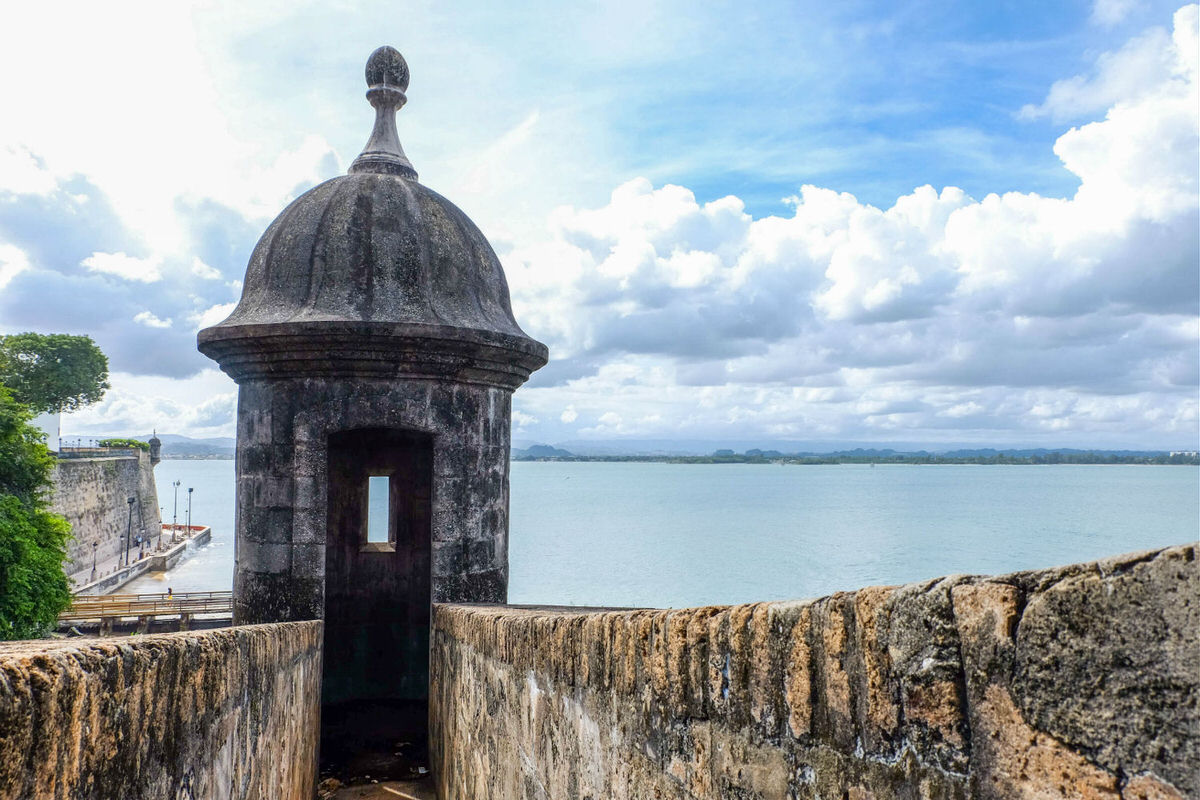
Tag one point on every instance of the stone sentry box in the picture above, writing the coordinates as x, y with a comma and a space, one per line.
374, 336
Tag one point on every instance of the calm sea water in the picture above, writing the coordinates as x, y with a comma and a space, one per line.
675, 535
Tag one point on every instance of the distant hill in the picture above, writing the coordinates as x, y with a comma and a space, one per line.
704, 447
539, 452
988, 452
667, 449
860, 455
175, 445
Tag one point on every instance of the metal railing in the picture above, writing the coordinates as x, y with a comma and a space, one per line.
148, 605
95, 452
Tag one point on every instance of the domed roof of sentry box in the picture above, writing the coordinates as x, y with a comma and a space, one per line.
371, 272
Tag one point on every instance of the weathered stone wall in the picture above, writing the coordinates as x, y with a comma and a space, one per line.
223, 714
1077, 682
92, 494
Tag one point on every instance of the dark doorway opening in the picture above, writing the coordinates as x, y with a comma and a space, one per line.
375, 682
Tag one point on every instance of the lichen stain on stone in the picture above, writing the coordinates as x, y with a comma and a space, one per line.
1015, 761
882, 706
798, 680
836, 678
1148, 787
936, 705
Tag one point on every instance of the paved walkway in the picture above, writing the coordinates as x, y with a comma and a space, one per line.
107, 567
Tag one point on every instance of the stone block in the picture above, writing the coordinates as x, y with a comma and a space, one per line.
1084, 664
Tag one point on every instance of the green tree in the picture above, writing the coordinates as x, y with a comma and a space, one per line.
33, 542
53, 372
128, 444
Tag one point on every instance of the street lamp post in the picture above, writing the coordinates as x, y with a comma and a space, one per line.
175, 513
189, 512
141, 528
129, 531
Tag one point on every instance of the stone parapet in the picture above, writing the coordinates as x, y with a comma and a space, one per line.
230, 713
1077, 682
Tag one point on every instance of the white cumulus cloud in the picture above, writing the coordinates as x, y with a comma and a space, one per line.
1146, 64
1013, 313
150, 321
143, 270
1111, 12
202, 270
13, 262
522, 420
202, 405
212, 315
22, 173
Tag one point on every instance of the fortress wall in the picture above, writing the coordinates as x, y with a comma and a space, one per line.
229, 713
92, 494
1077, 682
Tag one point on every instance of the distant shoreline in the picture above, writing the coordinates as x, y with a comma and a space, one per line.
932, 460
205, 457
813, 460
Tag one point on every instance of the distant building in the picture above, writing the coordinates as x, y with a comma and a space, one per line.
50, 424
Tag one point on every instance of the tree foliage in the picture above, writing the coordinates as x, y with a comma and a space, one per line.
53, 372
25, 463
131, 444
33, 542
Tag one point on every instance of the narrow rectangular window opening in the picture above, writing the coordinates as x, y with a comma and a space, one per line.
378, 491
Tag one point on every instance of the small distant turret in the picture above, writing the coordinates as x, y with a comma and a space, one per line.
155, 449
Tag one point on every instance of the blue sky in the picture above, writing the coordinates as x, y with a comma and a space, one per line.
923, 222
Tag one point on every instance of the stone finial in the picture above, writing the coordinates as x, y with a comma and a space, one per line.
387, 80
386, 67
